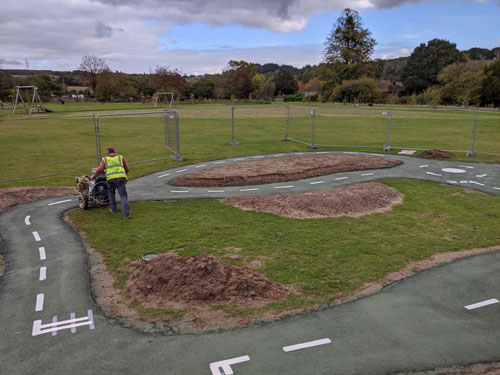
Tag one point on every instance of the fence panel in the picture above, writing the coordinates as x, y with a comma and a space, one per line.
259, 123
205, 125
299, 127
487, 138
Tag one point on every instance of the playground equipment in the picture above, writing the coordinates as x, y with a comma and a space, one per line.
158, 95
34, 99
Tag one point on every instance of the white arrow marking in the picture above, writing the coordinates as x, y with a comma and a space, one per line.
482, 304
305, 345
27, 220
226, 365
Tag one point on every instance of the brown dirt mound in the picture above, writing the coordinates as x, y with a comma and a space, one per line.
279, 169
436, 154
15, 195
204, 278
354, 201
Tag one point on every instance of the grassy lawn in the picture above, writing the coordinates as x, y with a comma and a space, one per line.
322, 258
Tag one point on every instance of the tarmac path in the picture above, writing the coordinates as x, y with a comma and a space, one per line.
49, 323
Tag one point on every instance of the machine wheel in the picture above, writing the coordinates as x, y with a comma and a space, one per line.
83, 202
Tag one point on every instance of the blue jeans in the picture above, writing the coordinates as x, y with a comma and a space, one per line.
120, 185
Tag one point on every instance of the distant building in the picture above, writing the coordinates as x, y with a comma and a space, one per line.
391, 88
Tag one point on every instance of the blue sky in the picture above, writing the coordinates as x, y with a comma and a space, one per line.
197, 37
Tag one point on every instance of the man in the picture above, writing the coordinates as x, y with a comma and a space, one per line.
116, 177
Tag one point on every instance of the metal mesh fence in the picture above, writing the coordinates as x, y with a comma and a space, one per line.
487, 135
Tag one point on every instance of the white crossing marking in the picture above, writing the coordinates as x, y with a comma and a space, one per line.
179, 191
367, 174
434, 174
201, 166
40, 329
215, 191
54, 320
305, 345
164, 175
182, 170
284, 187
37, 236
54, 203
41, 250
27, 220
424, 166
225, 365
481, 175
341, 178
482, 304
316, 182
43, 273
73, 317
220, 162
254, 189
466, 166
476, 183
39, 302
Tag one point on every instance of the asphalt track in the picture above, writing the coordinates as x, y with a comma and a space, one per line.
49, 323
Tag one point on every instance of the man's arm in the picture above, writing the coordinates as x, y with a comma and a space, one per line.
100, 169
125, 165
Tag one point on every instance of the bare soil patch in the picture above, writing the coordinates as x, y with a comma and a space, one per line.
15, 195
279, 169
353, 200
436, 154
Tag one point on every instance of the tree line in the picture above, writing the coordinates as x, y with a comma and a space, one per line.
436, 73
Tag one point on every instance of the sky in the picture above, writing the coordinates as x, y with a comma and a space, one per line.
201, 36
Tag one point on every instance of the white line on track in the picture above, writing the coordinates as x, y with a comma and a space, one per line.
164, 175
481, 175
37, 236
376, 155
434, 174
182, 170
54, 321
255, 189
39, 302
476, 183
201, 166
179, 191
367, 174
466, 166
27, 220
215, 191
226, 365
321, 152
278, 155
220, 162
305, 345
239, 159
497, 188
464, 182
482, 304
341, 178
257, 157
299, 153
351, 153
52, 204
41, 250
424, 166
316, 182
73, 317
43, 273
284, 187
452, 182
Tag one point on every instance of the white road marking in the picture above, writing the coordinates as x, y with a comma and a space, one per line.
43, 273
220, 162
41, 250
434, 174
305, 345
316, 182
452, 182
52, 204
482, 304
27, 220
321, 152
225, 365
182, 170
258, 157
215, 191
424, 166
54, 320
376, 155
481, 175
299, 153
40, 329
464, 182
39, 302
37, 236
255, 189
179, 191
239, 159
367, 174
278, 155
452, 170
73, 317
284, 187
351, 153
201, 166
476, 183
164, 175
466, 166
497, 188
341, 178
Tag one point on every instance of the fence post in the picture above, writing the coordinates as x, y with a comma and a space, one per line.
97, 139
470, 151
313, 118
387, 146
287, 122
233, 142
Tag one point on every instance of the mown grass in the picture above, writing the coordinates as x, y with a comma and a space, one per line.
322, 258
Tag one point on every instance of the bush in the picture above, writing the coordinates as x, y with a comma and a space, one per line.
363, 90
294, 98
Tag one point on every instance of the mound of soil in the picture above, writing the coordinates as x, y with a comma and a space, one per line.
279, 169
353, 200
436, 154
201, 279
15, 195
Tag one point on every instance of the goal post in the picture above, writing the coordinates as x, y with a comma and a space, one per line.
169, 98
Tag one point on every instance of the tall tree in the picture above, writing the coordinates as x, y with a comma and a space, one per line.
426, 62
91, 67
285, 83
491, 85
348, 42
167, 79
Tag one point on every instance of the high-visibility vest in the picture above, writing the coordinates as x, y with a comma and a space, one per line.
114, 167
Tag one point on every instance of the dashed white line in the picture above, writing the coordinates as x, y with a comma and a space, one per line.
284, 187
367, 174
220, 162
41, 250
434, 174
201, 166
464, 182
278, 155
497, 188
37, 236
481, 175
316, 182
39, 302
43, 273
351, 153
182, 170
305, 345
54, 203
482, 304
452, 182
476, 183
258, 157
27, 220
215, 191
424, 166
254, 189
321, 152
466, 166
239, 159
164, 175
341, 178
179, 191
299, 153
